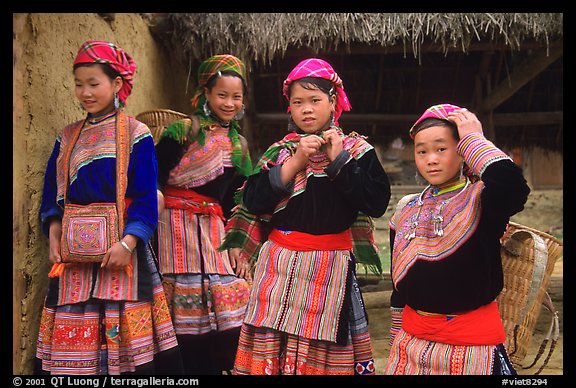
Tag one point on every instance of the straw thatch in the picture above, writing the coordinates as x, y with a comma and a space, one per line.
507, 67
262, 36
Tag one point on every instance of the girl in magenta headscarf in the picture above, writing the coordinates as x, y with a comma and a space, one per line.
317, 187
109, 317
446, 268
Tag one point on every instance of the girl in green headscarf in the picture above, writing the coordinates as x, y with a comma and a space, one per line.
202, 161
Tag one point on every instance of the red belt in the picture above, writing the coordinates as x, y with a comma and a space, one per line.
177, 198
299, 241
482, 326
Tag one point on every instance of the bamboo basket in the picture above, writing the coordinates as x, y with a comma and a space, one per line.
158, 120
528, 259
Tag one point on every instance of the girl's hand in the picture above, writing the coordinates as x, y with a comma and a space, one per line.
333, 143
54, 236
117, 256
241, 266
466, 121
307, 146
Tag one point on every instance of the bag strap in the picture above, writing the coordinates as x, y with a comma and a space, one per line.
122, 160
67, 156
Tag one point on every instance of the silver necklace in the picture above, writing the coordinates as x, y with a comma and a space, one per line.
437, 218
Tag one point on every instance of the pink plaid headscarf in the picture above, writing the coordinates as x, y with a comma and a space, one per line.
319, 68
97, 51
439, 111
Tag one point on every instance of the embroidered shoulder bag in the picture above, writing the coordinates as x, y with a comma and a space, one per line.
89, 231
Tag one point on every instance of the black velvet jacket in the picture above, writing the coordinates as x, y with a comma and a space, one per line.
329, 204
472, 276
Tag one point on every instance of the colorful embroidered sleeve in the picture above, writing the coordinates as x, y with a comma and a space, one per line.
479, 152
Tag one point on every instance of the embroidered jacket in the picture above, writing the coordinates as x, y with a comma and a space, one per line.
461, 270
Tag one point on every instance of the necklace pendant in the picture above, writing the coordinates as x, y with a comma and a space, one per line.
438, 230
412, 233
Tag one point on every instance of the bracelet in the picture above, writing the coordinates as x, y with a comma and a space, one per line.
126, 246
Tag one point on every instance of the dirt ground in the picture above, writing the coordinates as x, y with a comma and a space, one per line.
543, 211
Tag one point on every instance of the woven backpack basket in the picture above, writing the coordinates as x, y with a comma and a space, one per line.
158, 120
528, 259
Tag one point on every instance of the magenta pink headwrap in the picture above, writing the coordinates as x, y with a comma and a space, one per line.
96, 51
439, 111
319, 68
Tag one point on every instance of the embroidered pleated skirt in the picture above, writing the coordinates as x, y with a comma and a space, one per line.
410, 355
305, 316
111, 337
207, 301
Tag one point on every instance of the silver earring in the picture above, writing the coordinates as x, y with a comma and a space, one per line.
291, 124
238, 116
462, 171
332, 120
206, 108
420, 181
116, 101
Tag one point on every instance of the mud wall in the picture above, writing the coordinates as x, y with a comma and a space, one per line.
44, 46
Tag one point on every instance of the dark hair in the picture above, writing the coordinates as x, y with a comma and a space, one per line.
108, 70
314, 83
434, 122
212, 80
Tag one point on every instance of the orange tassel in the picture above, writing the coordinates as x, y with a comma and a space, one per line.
56, 270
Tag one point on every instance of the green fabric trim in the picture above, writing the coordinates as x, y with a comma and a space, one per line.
178, 131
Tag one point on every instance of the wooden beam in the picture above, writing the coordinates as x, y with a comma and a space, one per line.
525, 72
401, 48
500, 119
528, 119
371, 118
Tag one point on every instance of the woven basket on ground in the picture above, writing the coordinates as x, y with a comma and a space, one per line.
158, 119
528, 258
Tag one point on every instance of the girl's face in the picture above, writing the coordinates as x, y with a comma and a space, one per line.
95, 90
310, 109
225, 98
435, 155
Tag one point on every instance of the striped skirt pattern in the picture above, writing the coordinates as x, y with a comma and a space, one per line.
200, 303
414, 356
263, 351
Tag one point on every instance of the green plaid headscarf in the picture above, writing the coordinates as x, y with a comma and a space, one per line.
209, 68
179, 130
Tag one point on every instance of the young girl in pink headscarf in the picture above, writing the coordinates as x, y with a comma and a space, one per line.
316, 187
445, 242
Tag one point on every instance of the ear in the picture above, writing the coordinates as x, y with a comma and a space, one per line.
117, 84
333, 100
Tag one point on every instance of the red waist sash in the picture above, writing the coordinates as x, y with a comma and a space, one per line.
299, 241
186, 199
482, 326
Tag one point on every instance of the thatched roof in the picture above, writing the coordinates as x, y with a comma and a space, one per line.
507, 67
262, 36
